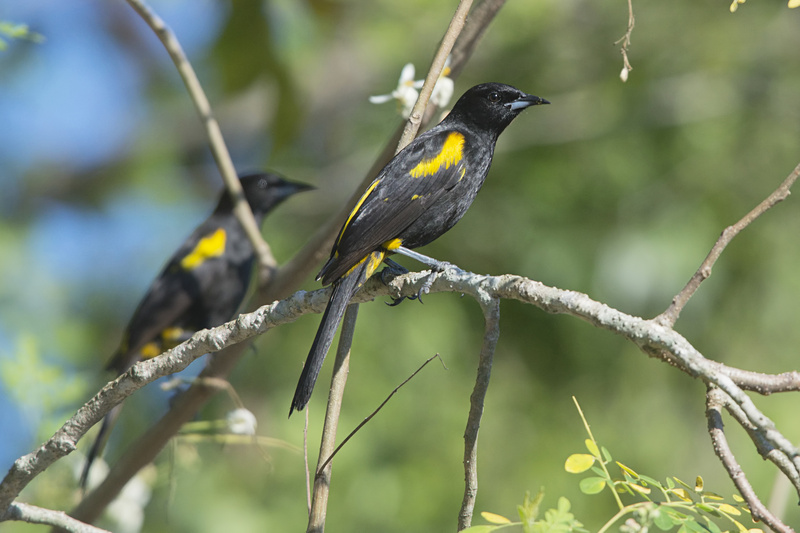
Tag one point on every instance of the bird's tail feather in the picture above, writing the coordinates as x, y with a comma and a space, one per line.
99, 443
343, 290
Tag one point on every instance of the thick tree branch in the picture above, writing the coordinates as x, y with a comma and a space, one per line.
644, 333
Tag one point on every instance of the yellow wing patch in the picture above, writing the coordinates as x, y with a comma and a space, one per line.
451, 153
212, 245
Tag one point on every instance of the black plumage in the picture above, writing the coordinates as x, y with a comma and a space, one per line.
201, 286
419, 195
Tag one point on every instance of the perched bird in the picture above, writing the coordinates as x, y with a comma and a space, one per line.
201, 286
419, 195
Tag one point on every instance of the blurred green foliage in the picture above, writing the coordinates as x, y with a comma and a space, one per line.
617, 190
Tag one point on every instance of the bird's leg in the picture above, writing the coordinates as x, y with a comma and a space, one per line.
434, 264
394, 269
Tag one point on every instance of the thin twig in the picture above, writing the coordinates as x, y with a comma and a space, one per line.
217, 143
723, 451
668, 317
341, 367
491, 314
626, 42
375, 412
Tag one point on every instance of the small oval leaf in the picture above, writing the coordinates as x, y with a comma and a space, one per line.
579, 462
592, 447
592, 485
639, 488
729, 509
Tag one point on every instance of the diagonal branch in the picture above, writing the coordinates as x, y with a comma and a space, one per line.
716, 429
215, 140
670, 316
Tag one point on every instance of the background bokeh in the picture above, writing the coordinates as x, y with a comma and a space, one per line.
617, 190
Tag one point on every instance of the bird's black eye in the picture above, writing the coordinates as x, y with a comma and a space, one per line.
494, 97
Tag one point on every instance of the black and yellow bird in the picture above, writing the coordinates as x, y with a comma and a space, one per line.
419, 195
201, 286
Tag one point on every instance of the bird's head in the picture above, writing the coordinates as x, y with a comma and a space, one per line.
493, 105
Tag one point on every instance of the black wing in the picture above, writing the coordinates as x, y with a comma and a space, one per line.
411, 182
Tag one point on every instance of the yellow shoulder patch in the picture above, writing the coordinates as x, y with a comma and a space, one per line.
451, 153
212, 245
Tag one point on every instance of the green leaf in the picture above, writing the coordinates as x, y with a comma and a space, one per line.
529, 510
579, 462
592, 447
592, 485
698, 484
607, 454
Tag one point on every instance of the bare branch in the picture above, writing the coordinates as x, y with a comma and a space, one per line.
644, 333
38, 515
717, 432
216, 142
491, 316
672, 313
341, 367
626, 43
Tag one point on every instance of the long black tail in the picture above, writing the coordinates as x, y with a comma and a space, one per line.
343, 290
99, 443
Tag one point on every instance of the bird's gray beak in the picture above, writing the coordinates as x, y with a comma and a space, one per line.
526, 101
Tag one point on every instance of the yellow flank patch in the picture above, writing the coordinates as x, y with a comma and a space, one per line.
212, 245
357, 207
415, 197
150, 350
394, 244
374, 261
451, 153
